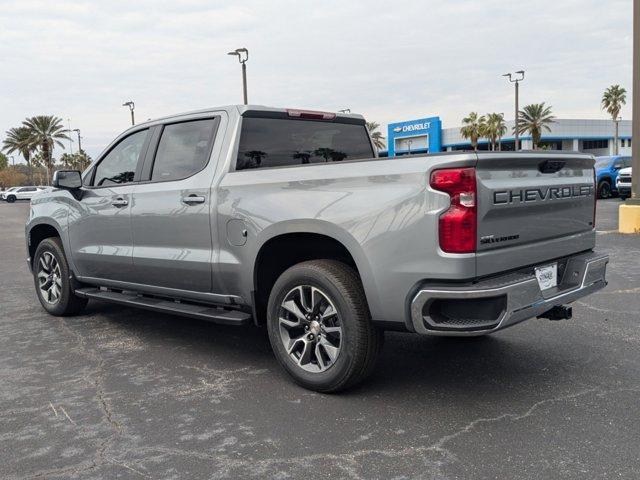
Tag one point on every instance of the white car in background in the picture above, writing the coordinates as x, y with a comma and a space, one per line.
21, 193
4, 193
623, 183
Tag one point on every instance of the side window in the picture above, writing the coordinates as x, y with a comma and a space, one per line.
119, 166
183, 150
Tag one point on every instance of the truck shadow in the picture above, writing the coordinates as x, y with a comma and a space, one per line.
409, 363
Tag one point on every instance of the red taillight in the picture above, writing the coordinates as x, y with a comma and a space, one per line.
311, 114
458, 225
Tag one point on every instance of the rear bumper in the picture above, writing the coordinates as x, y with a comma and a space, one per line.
499, 302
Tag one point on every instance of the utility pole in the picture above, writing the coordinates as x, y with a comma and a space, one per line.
132, 107
519, 77
635, 134
629, 212
243, 56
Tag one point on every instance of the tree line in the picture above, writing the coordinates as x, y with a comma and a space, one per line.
35, 140
533, 119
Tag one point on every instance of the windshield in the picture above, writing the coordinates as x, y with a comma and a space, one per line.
278, 142
602, 162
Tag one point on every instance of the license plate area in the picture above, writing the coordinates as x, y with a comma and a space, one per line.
547, 276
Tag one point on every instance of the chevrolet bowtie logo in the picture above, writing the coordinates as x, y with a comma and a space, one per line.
397, 129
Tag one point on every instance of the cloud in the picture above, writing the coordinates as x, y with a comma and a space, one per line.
389, 61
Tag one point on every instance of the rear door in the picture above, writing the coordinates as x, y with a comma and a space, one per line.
100, 224
532, 208
171, 210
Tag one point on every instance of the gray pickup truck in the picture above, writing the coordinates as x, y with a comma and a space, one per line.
287, 218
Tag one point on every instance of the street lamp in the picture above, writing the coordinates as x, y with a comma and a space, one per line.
132, 107
516, 79
243, 56
77, 130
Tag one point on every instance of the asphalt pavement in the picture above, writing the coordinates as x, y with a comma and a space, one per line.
127, 394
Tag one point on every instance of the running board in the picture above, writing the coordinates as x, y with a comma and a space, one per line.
193, 310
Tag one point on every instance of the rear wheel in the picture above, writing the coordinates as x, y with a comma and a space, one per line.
604, 189
320, 327
11, 198
52, 278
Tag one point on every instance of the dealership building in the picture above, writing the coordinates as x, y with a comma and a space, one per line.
425, 135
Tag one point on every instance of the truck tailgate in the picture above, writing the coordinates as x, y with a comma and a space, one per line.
533, 207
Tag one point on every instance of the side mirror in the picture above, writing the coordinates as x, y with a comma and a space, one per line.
67, 179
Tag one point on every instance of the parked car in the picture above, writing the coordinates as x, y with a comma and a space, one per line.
286, 218
22, 193
623, 183
4, 193
607, 169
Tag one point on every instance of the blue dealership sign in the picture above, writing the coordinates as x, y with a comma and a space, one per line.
415, 136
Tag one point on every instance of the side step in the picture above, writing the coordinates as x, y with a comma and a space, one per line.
193, 310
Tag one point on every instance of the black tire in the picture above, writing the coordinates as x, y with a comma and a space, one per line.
67, 302
11, 198
604, 189
623, 197
360, 340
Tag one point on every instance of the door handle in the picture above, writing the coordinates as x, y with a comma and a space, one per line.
120, 202
193, 199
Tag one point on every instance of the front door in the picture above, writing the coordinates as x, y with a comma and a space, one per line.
100, 223
171, 210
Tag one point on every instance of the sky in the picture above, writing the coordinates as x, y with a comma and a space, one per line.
390, 61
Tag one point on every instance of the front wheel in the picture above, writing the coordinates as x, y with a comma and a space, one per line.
52, 278
11, 198
604, 189
320, 328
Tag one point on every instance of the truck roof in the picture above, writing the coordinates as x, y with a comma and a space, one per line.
240, 109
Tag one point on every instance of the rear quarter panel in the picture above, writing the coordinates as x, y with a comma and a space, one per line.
381, 210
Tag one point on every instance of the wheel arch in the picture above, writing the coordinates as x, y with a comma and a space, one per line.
37, 233
286, 245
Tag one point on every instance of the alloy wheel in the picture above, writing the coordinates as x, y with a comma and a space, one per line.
310, 328
49, 278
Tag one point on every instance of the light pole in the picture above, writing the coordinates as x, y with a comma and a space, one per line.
77, 130
516, 79
635, 134
13, 160
243, 56
616, 141
70, 141
132, 107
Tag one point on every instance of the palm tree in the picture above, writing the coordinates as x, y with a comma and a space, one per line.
495, 129
613, 99
474, 128
378, 139
533, 119
45, 132
19, 140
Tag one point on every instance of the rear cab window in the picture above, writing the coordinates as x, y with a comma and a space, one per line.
184, 149
276, 140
